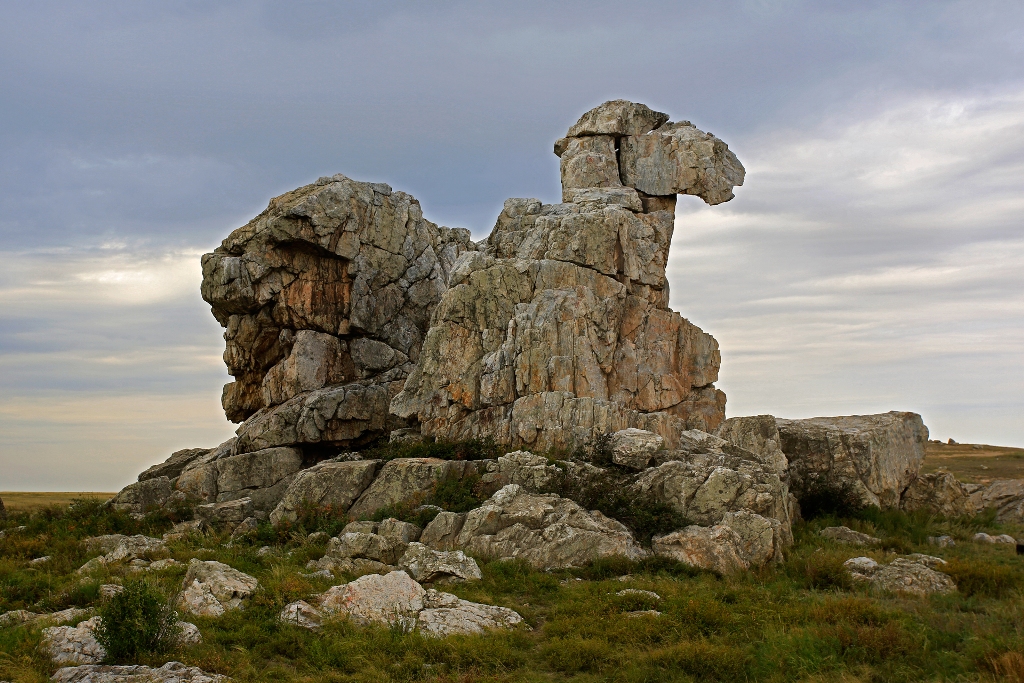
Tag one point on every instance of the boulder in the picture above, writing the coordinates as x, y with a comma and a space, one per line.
230, 513
533, 472
1005, 496
425, 564
393, 598
634, 448
678, 158
842, 534
174, 465
171, 672
982, 537
73, 644
301, 613
618, 118
589, 162
717, 548
874, 457
547, 531
408, 481
122, 549
143, 496
706, 486
262, 476
445, 614
938, 492
399, 531
212, 588
332, 286
907, 576
328, 484
442, 532
759, 435
598, 197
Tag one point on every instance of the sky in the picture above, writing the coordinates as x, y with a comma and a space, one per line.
873, 259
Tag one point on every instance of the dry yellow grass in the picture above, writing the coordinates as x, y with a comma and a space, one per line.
33, 500
975, 463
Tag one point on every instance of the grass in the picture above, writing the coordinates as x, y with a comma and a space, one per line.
25, 501
975, 463
801, 621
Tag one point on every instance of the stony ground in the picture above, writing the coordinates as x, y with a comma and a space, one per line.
801, 621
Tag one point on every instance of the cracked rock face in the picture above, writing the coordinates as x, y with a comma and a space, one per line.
875, 456
547, 531
331, 287
73, 644
938, 492
558, 330
212, 588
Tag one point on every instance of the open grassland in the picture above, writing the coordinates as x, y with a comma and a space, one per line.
24, 501
975, 463
801, 621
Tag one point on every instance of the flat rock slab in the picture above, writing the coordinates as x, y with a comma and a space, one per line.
171, 672
842, 534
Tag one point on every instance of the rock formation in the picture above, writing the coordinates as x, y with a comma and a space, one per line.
557, 330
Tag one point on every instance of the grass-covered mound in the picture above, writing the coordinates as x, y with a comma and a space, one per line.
801, 621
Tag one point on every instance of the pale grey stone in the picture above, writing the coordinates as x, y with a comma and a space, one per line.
842, 534
1005, 496
634, 448
876, 456
397, 530
393, 598
596, 197
73, 644
333, 484
938, 492
442, 533
445, 614
589, 162
175, 464
618, 118
301, 613
425, 564
717, 548
172, 672
144, 495
212, 588
408, 481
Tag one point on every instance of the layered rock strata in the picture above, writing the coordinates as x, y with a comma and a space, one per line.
558, 329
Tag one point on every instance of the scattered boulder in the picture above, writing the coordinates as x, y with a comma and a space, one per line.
123, 549
171, 672
843, 534
20, 616
874, 457
328, 484
396, 599
73, 644
716, 548
547, 531
212, 588
942, 541
904, 575
143, 495
982, 537
1005, 496
426, 565
444, 615
634, 448
938, 492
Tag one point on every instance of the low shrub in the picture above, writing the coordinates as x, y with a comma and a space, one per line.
136, 621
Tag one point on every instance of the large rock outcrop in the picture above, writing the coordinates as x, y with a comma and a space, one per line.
875, 457
558, 330
325, 298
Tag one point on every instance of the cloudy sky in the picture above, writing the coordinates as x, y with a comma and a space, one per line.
873, 260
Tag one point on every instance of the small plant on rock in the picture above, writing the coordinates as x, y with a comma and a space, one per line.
136, 621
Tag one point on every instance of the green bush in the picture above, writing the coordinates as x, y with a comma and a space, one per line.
136, 621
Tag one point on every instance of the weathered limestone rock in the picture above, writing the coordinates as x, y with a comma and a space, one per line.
388, 599
533, 472
982, 537
875, 456
143, 496
73, 644
175, 464
445, 614
716, 548
559, 332
21, 616
328, 484
263, 476
333, 285
171, 672
545, 530
634, 448
442, 532
904, 575
123, 549
212, 588
938, 492
677, 158
409, 481
589, 162
1006, 496
759, 435
706, 486
843, 534
301, 613
228, 514
618, 118
427, 565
